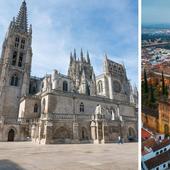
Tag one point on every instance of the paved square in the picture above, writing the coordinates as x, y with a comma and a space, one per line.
29, 156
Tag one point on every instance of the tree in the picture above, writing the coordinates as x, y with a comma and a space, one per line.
145, 82
163, 85
166, 91
152, 96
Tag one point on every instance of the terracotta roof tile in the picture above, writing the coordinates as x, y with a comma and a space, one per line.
150, 143
164, 143
158, 160
145, 134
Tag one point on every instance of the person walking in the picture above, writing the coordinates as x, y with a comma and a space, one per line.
119, 139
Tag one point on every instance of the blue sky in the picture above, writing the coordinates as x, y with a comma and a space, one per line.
59, 26
155, 11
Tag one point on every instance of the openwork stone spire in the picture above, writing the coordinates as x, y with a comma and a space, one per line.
21, 20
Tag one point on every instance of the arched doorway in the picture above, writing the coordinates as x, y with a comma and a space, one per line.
131, 135
61, 135
84, 134
11, 135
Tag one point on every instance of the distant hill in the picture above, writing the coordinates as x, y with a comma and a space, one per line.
156, 26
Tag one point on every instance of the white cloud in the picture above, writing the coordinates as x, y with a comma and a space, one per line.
59, 26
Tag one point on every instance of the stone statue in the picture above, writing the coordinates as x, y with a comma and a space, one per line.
113, 115
49, 84
98, 109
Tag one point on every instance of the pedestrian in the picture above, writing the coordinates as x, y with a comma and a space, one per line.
119, 139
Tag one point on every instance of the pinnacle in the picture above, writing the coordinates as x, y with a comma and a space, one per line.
21, 20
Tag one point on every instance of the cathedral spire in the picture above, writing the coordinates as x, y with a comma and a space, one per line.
106, 64
71, 58
88, 58
106, 56
81, 54
21, 20
75, 54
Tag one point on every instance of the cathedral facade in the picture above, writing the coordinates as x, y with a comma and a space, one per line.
79, 107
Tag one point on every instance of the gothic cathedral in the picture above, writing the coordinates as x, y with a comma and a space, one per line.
79, 107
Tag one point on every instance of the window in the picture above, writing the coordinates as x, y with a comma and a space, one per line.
87, 89
14, 58
14, 80
81, 107
65, 86
100, 86
164, 165
165, 149
20, 60
34, 89
35, 108
16, 42
22, 43
157, 153
161, 151
157, 168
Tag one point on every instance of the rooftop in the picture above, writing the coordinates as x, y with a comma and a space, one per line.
163, 144
158, 160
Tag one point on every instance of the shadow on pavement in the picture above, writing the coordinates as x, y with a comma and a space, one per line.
9, 165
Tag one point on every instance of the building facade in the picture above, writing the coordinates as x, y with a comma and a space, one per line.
158, 120
79, 107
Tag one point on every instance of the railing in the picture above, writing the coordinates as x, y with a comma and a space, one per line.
27, 121
67, 116
62, 116
58, 117
128, 118
18, 121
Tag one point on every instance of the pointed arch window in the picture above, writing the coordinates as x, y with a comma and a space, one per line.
20, 60
14, 58
34, 89
100, 86
81, 107
22, 43
65, 86
14, 80
36, 108
17, 42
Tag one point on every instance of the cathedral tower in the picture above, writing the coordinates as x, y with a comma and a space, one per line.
118, 83
15, 64
82, 74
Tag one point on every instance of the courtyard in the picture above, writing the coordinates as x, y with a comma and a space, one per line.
29, 156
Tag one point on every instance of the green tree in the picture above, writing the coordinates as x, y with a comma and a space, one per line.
152, 96
145, 82
163, 85
166, 91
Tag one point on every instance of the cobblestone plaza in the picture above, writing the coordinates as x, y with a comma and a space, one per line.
29, 156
